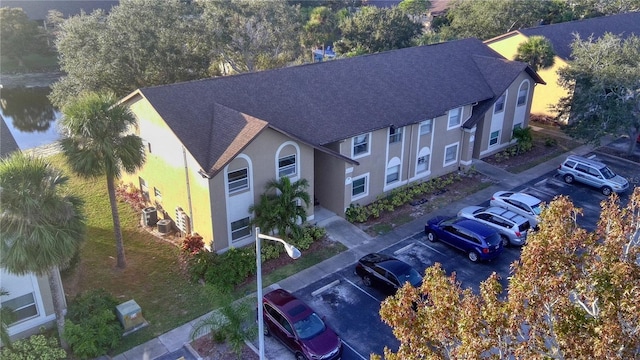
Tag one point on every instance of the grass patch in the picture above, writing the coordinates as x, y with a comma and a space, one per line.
154, 276
32, 63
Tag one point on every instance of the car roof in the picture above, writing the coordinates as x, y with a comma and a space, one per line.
505, 213
294, 308
475, 226
587, 161
522, 197
375, 258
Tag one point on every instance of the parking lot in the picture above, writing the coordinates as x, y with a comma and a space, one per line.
351, 308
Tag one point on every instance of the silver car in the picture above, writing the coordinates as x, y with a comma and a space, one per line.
512, 227
520, 203
592, 172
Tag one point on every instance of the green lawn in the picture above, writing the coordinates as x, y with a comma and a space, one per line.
154, 276
31, 63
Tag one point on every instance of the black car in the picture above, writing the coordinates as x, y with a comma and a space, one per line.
386, 272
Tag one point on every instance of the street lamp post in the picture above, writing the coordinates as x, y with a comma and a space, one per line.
293, 253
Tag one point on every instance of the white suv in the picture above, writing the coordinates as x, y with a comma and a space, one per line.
511, 226
592, 172
520, 203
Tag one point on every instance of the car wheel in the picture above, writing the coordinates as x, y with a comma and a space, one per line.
300, 356
505, 241
606, 191
473, 256
568, 178
366, 280
431, 236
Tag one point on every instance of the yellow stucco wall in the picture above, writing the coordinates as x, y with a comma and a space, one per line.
172, 170
545, 96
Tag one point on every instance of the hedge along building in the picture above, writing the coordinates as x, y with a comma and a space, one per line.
353, 128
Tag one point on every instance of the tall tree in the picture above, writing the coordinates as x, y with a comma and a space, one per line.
19, 36
321, 28
572, 295
374, 29
97, 142
537, 51
604, 84
415, 7
41, 224
139, 43
281, 206
253, 35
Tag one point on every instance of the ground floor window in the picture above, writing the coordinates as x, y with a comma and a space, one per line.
493, 139
24, 307
450, 154
393, 174
423, 164
240, 228
359, 187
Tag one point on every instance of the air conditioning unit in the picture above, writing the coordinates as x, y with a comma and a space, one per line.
164, 226
149, 216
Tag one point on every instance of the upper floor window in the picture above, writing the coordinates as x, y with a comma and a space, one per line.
238, 180
499, 105
395, 134
523, 93
425, 127
423, 163
287, 165
361, 145
455, 117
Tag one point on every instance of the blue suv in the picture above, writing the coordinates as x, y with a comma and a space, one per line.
477, 240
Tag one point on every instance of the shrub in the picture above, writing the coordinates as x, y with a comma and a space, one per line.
36, 347
525, 139
231, 268
549, 142
192, 244
92, 328
199, 263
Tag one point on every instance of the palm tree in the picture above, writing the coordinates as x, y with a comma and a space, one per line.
537, 51
279, 207
41, 225
97, 143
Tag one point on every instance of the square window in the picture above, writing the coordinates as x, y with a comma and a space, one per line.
238, 180
455, 117
425, 127
240, 229
287, 166
499, 106
393, 174
493, 139
423, 164
24, 307
359, 186
144, 188
395, 134
360, 145
450, 154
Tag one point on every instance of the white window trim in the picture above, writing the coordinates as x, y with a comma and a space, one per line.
288, 167
298, 166
397, 136
497, 139
247, 227
526, 98
449, 127
455, 160
504, 102
366, 153
422, 153
366, 187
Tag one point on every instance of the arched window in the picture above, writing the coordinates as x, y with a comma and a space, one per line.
393, 171
523, 93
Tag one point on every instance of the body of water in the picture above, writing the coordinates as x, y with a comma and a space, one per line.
31, 118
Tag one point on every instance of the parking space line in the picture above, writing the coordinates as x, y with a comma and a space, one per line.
324, 288
361, 289
432, 248
403, 249
354, 350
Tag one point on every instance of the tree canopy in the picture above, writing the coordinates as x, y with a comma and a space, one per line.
20, 36
570, 298
374, 29
537, 51
603, 79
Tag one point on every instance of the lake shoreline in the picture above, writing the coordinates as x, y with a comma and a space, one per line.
12, 81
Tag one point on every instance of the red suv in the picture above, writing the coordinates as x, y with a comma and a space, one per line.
298, 327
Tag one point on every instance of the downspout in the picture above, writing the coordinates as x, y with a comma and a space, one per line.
186, 175
410, 151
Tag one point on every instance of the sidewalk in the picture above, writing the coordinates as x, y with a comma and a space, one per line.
175, 344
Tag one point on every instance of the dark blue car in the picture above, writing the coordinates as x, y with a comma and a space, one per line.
477, 240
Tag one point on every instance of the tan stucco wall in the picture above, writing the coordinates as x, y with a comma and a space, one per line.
547, 95
173, 171
330, 174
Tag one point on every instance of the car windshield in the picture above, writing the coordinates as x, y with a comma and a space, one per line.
607, 173
410, 275
309, 327
493, 239
536, 209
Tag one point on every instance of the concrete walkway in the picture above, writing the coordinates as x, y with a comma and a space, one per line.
358, 244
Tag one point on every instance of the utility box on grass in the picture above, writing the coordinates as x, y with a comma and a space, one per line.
130, 316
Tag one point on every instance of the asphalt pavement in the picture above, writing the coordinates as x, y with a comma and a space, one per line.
175, 343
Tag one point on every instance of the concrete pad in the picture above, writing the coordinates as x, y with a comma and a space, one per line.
150, 350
